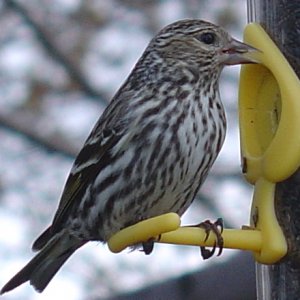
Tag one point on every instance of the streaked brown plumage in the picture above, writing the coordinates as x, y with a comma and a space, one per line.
151, 149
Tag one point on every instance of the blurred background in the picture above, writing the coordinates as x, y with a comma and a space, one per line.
61, 61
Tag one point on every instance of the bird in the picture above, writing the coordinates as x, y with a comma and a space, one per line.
150, 150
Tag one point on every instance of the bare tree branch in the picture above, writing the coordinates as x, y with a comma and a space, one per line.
19, 121
56, 54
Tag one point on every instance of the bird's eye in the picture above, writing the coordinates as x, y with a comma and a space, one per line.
207, 38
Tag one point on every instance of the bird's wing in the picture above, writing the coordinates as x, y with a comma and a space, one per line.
89, 162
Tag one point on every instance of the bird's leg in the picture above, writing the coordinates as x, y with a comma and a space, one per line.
217, 229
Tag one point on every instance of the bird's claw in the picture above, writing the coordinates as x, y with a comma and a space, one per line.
217, 229
147, 247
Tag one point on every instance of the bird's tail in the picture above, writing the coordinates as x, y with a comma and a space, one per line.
41, 269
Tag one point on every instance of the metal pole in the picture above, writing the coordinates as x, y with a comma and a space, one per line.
281, 20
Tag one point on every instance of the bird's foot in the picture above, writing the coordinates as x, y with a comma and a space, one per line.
217, 229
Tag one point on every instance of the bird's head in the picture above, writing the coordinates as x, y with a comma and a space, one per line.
200, 43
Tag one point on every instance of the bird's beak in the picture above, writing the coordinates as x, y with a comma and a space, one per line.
238, 53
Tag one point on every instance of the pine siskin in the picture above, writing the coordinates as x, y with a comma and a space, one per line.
151, 149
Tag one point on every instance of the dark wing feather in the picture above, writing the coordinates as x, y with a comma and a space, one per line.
94, 158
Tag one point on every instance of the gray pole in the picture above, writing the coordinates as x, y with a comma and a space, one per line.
281, 20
